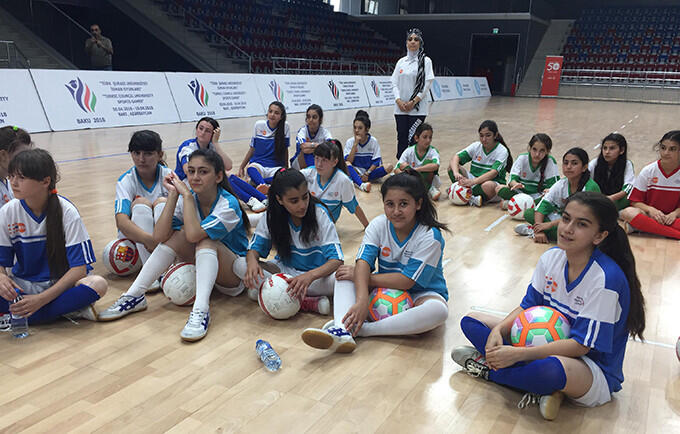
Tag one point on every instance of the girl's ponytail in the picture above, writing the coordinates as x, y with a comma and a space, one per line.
493, 127
280, 145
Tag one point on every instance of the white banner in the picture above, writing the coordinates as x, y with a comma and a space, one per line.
342, 92
296, 92
216, 95
447, 88
379, 90
76, 100
481, 86
19, 103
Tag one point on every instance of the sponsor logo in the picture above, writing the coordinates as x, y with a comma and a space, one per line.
82, 94
550, 284
334, 89
385, 251
16, 228
376, 88
199, 92
436, 88
400, 71
459, 88
655, 180
477, 88
579, 301
276, 90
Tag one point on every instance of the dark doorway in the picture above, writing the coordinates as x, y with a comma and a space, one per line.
494, 57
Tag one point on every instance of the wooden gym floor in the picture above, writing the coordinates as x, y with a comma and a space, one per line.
135, 375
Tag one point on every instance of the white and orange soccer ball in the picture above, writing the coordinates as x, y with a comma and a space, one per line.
518, 204
274, 299
179, 283
459, 195
121, 257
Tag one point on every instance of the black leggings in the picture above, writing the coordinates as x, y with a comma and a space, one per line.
406, 127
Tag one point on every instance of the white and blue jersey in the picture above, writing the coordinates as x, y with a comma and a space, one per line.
24, 235
6, 193
263, 143
130, 186
596, 305
367, 154
183, 153
224, 222
303, 256
336, 193
303, 136
418, 257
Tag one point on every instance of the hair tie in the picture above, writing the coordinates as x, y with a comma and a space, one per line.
15, 128
53, 191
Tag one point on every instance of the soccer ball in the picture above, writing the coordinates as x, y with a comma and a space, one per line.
518, 204
179, 284
121, 257
677, 348
387, 302
274, 299
459, 195
538, 325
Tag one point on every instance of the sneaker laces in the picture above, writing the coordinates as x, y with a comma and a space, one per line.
5, 322
195, 319
126, 302
476, 369
528, 400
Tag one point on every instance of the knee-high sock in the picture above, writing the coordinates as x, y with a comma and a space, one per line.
648, 224
255, 176
142, 216
68, 301
157, 211
377, 173
245, 191
505, 193
322, 286
354, 175
343, 298
418, 319
158, 262
542, 376
240, 267
207, 266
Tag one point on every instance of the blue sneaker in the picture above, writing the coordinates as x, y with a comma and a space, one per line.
330, 337
196, 327
126, 304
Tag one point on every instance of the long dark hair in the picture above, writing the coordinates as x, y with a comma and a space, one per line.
12, 137
277, 214
147, 141
617, 247
38, 164
547, 141
491, 125
280, 135
319, 111
412, 183
583, 156
214, 159
332, 148
611, 182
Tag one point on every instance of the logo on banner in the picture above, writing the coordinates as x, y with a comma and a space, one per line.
436, 88
334, 89
82, 94
477, 88
459, 88
276, 90
376, 88
199, 92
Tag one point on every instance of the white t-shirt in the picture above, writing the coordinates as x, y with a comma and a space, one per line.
130, 186
404, 81
303, 136
336, 193
6, 193
367, 154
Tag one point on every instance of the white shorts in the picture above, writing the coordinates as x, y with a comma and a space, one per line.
32, 288
232, 292
598, 393
266, 172
422, 294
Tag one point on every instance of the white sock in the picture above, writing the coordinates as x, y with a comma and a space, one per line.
413, 321
158, 262
343, 298
207, 266
241, 266
254, 219
322, 286
142, 216
157, 211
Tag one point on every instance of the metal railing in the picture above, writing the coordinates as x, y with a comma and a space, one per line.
620, 77
442, 71
300, 65
15, 57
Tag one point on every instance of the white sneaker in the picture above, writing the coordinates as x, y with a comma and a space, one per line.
525, 229
5, 322
365, 186
125, 305
265, 202
435, 193
504, 204
88, 312
196, 327
476, 201
255, 205
329, 337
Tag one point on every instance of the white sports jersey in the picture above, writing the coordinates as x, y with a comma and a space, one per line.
481, 162
404, 81
336, 193
596, 305
304, 256
6, 192
556, 198
418, 257
263, 143
367, 155
411, 158
224, 223
303, 136
183, 153
24, 235
130, 187
656, 188
628, 174
522, 171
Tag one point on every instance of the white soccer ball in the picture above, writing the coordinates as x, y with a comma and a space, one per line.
459, 195
121, 257
518, 204
274, 299
677, 348
179, 283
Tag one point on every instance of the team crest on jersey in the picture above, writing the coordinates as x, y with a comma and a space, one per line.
386, 251
479, 158
655, 180
5, 198
16, 228
550, 284
400, 71
524, 174
579, 301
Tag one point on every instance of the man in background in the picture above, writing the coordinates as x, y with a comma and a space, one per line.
99, 48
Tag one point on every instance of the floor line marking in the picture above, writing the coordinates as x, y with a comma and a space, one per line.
496, 223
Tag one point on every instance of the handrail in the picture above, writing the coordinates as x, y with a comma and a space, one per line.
214, 32
68, 17
299, 60
622, 75
443, 71
25, 61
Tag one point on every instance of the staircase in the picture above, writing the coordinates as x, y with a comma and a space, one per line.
38, 52
551, 44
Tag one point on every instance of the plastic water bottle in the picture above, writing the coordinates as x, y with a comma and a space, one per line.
271, 360
19, 324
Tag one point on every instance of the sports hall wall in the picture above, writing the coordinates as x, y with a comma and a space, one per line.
59, 100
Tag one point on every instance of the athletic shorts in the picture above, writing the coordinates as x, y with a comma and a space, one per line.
598, 393
266, 172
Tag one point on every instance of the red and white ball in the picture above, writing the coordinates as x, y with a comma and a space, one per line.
518, 204
179, 283
459, 195
274, 299
121, 257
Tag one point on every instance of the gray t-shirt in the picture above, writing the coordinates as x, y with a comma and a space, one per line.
100, 54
